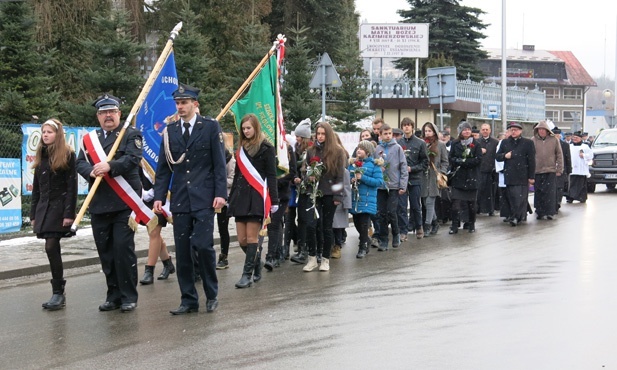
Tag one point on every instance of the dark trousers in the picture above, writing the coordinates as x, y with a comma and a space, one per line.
291, 229
414, 195
362, 221
402, 216
387, 208
115, 243
275, 230
545, 189
222, 221
326, 208
194, 231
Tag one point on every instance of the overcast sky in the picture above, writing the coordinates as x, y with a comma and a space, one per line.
587, 28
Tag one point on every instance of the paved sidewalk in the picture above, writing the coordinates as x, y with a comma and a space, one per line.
26, 255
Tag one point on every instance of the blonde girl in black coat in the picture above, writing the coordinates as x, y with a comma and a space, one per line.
54, 199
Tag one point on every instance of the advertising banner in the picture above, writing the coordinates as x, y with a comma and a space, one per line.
10, 197
394, 40
32, 136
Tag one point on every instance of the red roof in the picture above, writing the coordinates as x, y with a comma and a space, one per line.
577, 75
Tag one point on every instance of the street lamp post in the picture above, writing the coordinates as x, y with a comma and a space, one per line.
610, 118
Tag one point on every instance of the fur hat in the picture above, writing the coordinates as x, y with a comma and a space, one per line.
303, 129
367, 146
463, 125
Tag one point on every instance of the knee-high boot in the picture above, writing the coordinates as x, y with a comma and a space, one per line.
249, 265
258, 266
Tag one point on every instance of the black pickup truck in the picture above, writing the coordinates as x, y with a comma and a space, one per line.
604, 166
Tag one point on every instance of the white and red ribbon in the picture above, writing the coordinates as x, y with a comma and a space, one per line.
254, 179
142, 214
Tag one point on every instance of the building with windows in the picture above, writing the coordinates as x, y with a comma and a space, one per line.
558, 74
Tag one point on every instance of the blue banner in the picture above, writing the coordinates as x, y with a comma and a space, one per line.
157, 111
10, 199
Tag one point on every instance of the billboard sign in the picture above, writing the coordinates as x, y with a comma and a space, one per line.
394, 40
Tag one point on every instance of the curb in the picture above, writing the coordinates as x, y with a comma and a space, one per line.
84, 262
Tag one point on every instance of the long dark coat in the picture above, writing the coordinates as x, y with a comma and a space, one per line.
522, 165
467, 168
243, 199
54, 196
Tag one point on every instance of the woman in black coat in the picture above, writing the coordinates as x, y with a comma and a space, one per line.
465, 158
255, 162
54, 199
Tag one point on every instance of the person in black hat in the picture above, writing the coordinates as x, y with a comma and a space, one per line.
519, 157
193, 152
110, 214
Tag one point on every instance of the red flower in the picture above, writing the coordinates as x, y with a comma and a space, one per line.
404, 147
471, 145
314, 159
427, 141
358, 163
310, 144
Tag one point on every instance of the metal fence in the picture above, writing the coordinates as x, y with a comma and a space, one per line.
522, 104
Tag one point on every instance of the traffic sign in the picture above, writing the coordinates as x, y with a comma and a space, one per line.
326, 67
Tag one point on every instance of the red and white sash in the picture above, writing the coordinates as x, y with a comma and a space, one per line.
254, 179
142, 214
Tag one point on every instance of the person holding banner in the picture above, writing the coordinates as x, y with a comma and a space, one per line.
193, 152
114, 201
54, 198
254, 194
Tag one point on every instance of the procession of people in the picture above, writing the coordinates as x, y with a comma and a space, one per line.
389, 186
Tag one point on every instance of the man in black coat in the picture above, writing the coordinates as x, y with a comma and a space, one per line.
487, 186
193, 152
417, 164
519, 155
113, 236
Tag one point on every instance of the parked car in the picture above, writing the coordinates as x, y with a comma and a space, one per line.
604, 166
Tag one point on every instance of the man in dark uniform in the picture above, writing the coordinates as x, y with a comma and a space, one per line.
113, 236
562, 181
193, 152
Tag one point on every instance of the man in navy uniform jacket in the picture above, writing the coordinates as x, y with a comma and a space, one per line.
193, 153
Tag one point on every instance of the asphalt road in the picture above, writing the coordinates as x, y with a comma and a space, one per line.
538, 296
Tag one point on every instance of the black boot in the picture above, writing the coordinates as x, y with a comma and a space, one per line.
258, 266
434, 227
472, 227
148, 277
301, 256
362, 251
269, 265
168, 268
249, 265
57, 300
427, 230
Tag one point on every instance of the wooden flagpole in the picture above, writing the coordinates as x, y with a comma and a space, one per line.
248, 81
138, 103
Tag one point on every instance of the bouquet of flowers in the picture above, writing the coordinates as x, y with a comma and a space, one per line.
381, 162
314, 171
356, 168
467, 151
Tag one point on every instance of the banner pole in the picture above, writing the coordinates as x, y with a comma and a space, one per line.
140, 99
247, 82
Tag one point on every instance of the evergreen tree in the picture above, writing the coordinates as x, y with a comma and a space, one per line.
454, 34
114, 69
24, 73
298, 102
